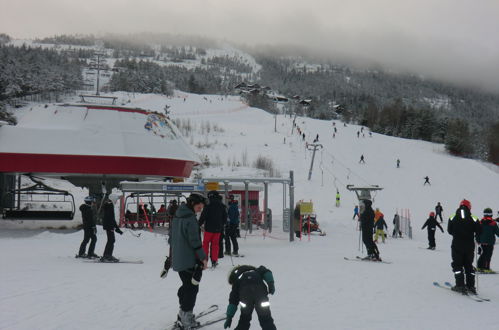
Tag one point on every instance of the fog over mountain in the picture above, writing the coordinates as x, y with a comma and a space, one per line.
451, 40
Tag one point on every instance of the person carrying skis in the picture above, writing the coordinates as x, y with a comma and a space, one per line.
463, 226
355, 212
110, 226
426, 181
486, 239
438, 210
231, 229
367, 226
187, 258
89, 229
432, 223
337, 198
380, 224
250, 289
396, 226
214, 218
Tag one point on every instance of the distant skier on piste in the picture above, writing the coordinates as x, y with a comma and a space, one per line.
89, 229
486, 239
438, 210
188, 257
362, 161
396, 226
214, 218
355, 212
250, 289
338, 198
432, 224
463, 226
110, 226
426, 181
367, 226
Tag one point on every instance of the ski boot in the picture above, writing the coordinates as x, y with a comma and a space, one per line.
109, 259
459, 289
471, 290
82, 255
92, 256
214, 264
187, 320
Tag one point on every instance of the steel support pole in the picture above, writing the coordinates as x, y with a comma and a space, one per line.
266, 204
291, 205
246, 207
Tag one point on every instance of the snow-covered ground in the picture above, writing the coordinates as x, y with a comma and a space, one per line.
44, 287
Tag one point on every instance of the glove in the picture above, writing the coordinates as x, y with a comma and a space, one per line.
228, 322
271, 287
166, 267
119, 231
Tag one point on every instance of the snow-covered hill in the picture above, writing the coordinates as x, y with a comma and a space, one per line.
42, 286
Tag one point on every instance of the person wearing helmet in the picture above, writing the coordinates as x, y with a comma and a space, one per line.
367, 227
250, 289
110, 226
486, 239
432, 223
380, 225
463, 226
89, 229
187, 257
214, 218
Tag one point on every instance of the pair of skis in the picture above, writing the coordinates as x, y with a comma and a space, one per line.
98, 260
357, 258
448, 286
209, 310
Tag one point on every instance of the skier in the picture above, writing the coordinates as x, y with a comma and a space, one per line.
486, 239
303, 136
426, 181
355, 212
380, 224
316, 138
362, 159
296, 220
89, 229
188, 257
367, 226
432, 223
110, 226
214, 218
463, 226
358, 134
438, 210
337, 198
231, 229
250, 289
396, 226
398, 163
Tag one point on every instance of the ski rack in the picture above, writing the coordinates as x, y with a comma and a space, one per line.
31, 195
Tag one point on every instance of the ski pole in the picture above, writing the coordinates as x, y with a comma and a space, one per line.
476, 260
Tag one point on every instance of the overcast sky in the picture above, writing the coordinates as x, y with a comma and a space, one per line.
455, 40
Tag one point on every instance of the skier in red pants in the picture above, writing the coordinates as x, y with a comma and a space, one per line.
214, 218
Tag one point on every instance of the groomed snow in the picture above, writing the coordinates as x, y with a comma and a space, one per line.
44, 287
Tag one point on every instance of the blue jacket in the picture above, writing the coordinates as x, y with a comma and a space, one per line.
233, 214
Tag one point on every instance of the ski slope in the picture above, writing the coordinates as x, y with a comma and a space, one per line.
42, 286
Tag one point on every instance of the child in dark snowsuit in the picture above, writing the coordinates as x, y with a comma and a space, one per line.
250, 289
486, 239
432, 224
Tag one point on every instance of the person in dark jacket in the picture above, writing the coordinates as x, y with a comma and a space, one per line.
438, 210
486, 239
396, 226
231, 230
367, 226
187, 257
250, 289
296, 221
214, 218
89, 229
463, 226
110, 226
380, 225
432, 223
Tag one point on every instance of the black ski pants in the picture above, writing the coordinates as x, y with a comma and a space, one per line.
439, 215
254, 297
88, 235
431, 237
188, 292
108, 250
462, 258
367, 239
231, 237
484, 259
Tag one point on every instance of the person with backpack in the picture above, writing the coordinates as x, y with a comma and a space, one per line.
463, 226
432, 223
231, 229
250, 289
89, 229
487, 239
188, 258
213, 218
